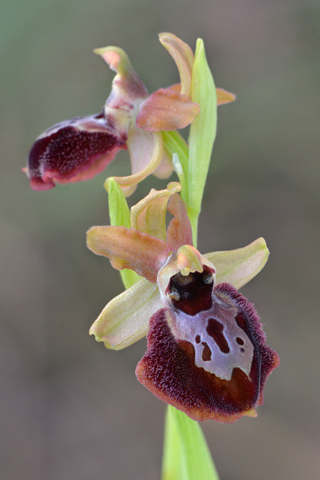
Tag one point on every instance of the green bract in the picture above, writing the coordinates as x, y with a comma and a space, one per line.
202, 134
120, 216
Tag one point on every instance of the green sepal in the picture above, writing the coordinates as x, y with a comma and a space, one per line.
186, 455
119, 214
124, 320
202, 134
239, 266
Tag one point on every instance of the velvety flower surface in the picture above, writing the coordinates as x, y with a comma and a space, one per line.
79, 148
207, 352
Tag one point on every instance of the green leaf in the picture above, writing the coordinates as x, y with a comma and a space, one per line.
186, 454
119, 214
202, 134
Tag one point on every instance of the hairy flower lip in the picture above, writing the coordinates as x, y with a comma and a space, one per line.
170, 368
70, 150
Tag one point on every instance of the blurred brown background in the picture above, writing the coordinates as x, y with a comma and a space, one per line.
71, 409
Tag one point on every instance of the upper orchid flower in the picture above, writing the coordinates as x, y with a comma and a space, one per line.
206, 353
79, 148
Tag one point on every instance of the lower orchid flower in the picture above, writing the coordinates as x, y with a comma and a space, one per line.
207, 352
82, 147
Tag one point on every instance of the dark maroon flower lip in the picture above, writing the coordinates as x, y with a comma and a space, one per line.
211, 365
73, 150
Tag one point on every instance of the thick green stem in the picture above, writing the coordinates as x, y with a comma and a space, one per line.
186, 455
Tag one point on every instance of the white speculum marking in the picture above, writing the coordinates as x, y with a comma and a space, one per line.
232, 347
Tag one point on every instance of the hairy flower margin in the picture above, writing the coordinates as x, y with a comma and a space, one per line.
206, 352
80, 148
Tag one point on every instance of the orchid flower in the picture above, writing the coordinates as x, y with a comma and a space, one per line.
207, 352
79, 148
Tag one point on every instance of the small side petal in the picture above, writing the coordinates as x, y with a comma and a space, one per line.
183, 57
125, 319
72, 151
129, 248
149, 215
223, 96
179, 229
166, 110
239, 266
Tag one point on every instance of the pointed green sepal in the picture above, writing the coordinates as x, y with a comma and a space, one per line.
124, 320
239, 266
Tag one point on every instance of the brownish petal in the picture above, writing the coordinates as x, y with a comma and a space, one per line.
178, 365
179, 230
129, 248
223, 96
72, 151
166, 110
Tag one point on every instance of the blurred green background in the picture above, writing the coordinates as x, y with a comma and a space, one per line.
70, 408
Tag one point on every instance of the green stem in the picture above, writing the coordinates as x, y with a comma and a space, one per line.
194, 218
186, 455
